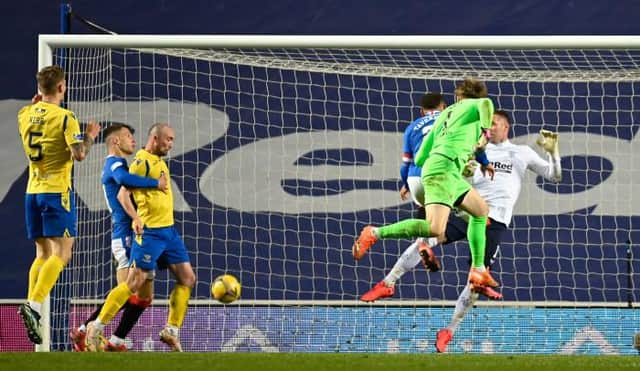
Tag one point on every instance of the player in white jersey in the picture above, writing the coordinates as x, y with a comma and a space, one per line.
510, 162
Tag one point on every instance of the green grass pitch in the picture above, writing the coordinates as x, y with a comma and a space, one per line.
309, 361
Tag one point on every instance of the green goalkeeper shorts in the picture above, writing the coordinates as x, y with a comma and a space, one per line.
442, 180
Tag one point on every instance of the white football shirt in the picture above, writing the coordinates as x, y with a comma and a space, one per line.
510, 162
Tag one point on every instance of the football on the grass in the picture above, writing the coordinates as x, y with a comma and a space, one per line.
225, 289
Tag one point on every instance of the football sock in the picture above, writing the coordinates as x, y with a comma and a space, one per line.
465, 301
407, 261
115, 300
132, 311
49, 273
477, 237
95, 314
33, 274
172, 330
36, 306
409, 228
178, 302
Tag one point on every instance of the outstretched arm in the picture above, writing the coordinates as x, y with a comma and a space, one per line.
124, 178
555, 168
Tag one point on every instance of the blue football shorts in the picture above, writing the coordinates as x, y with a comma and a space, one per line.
158, 245
50, 214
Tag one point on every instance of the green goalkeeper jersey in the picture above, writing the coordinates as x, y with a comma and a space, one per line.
457, 130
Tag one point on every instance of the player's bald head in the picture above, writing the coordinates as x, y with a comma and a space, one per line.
158, 128
161, 136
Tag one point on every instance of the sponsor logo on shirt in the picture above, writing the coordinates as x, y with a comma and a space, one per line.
503, 167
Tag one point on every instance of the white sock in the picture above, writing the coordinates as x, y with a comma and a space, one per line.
406, 262
37, 307
98, 325
82, 328
432, 241
116, 340
375, 232
465, 301
173, 331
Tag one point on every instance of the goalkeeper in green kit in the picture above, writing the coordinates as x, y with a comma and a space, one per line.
460, 131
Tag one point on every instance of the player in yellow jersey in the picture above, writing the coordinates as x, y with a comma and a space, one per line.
156, 240
51, 139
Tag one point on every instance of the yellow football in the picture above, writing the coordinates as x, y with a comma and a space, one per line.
225, 289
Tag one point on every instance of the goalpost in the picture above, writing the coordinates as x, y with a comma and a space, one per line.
287, 145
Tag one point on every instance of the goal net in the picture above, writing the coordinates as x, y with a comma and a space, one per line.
286, 147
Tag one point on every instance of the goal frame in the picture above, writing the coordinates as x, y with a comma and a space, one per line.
48, 42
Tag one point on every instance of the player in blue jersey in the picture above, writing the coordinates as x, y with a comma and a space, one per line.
51, 140
431, 105
115, 174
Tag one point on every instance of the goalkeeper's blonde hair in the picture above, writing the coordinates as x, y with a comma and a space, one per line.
471, 88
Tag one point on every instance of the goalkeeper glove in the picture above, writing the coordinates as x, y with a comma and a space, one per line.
469, 168
548, 140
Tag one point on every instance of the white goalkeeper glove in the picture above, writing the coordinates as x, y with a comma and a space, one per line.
548, 140
469, 168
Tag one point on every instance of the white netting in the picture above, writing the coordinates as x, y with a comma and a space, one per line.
282, 156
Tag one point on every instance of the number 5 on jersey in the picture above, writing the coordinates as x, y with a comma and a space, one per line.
36, 154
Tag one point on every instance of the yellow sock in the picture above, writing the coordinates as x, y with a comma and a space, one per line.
49, 273
34, 271
115, 300
178, 302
